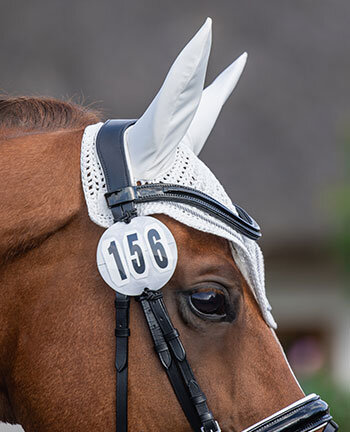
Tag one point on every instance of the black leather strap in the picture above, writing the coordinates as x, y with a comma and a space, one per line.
171, 351
331, 427
111, 153
121, 196
122, 332
169, 365
240, 222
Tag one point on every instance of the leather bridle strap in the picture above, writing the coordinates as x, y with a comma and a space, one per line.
165, 357
173, 358
122, 332
111, 153
166, 192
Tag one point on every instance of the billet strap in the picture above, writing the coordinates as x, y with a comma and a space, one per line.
173, 358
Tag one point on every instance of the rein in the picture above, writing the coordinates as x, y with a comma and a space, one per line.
305, 415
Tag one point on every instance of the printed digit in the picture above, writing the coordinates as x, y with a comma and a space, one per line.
157, 247
138, 262
113, 250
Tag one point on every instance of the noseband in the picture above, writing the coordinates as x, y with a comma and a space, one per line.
305, 415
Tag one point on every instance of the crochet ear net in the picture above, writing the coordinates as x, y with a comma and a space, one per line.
163, 146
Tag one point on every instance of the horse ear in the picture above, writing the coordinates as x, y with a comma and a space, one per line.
154, 137
213, 99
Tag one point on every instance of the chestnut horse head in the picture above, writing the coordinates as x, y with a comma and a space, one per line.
57, 344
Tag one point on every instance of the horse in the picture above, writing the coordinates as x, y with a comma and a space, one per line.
57, 318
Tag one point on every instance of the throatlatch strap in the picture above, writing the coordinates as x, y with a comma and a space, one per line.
170, 350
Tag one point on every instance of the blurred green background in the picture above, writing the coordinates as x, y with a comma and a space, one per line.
338, 399
307, 351
281, 146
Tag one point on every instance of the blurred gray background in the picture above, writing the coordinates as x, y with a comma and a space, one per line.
278, 146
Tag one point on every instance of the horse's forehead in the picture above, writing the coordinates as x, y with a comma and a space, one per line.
193, 240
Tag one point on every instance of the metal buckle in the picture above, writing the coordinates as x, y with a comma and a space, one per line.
211, 430
120, 196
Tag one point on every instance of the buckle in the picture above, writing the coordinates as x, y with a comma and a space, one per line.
120, 196
150, 295
122, 332
211, 430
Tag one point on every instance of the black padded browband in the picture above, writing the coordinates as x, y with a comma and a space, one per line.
242, 222
122, 195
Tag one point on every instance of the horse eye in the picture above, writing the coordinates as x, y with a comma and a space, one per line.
208, 304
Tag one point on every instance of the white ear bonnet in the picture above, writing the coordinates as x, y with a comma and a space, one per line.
163, 146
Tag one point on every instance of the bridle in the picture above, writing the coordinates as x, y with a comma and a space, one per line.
306, 415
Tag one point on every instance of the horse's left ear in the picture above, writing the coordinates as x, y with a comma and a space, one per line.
213, 99
153, 140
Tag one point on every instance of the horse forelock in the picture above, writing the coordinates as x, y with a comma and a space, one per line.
36, 114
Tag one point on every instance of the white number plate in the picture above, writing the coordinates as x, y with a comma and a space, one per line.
138, 255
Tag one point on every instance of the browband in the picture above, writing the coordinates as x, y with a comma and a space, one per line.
185, 195
122, 195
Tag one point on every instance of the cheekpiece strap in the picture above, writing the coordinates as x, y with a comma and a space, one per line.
111, 153
172, 355
122, 332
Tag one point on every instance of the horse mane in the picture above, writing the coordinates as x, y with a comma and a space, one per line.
38, 114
